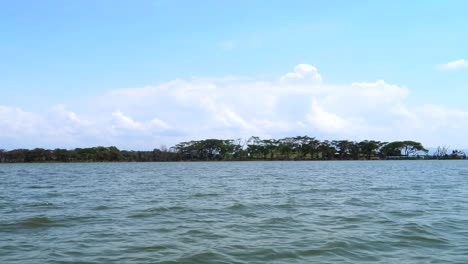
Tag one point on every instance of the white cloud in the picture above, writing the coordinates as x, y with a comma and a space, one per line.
454, 65
303, 72
69, 117
232, 107
158, 123
14, 121
326, 121
57, 127
124, 122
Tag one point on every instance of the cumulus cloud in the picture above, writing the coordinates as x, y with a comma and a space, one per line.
453, 65
327, 121
303, 72
232, 107
15, 121
57, 126
124, 122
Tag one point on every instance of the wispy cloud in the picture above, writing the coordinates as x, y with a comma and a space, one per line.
453, 65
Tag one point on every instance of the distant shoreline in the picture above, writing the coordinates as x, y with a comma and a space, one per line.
228, 161
299, 148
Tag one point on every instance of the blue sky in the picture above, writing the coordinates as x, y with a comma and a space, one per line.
64, 65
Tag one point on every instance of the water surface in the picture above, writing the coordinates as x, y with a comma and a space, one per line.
235, 212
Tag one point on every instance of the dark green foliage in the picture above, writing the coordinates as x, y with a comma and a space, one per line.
208, 149
405, 148
255, 148
370, 148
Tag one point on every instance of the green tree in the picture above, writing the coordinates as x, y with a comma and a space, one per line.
403, 148
327, 150
369, 148
410, 148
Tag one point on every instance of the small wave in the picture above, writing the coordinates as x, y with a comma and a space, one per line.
406, 213
40, 187
237, 206
45, 205
53, 194
417, 228
151, 248
325, 190
424, 239
101, 208
265, 254
207, 256
382, 220
201, 195
194, 232
279, 220
202, 234
286, 205
36, 222
77, 219
311, 252
383, 189
352, 219
155, 211
248, 210
354, 201
420, 233
337, 244
155, 248
349, 250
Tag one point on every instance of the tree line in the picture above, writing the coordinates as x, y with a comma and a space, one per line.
254, 148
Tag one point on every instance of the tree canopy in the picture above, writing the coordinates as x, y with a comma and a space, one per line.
253, 148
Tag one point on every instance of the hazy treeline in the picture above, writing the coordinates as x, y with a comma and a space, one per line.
255, 148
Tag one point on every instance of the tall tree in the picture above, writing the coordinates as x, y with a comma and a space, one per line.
369, 148
410, 148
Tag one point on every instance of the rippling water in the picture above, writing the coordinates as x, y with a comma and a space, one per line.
235, 212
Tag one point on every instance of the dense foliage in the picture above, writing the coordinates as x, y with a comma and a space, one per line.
255, 148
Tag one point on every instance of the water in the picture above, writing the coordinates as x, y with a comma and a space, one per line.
235, 212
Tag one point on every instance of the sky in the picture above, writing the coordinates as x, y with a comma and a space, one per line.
145, 74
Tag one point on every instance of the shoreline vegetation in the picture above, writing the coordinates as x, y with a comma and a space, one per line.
252, 149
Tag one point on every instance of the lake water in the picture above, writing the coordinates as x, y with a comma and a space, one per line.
235, 212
